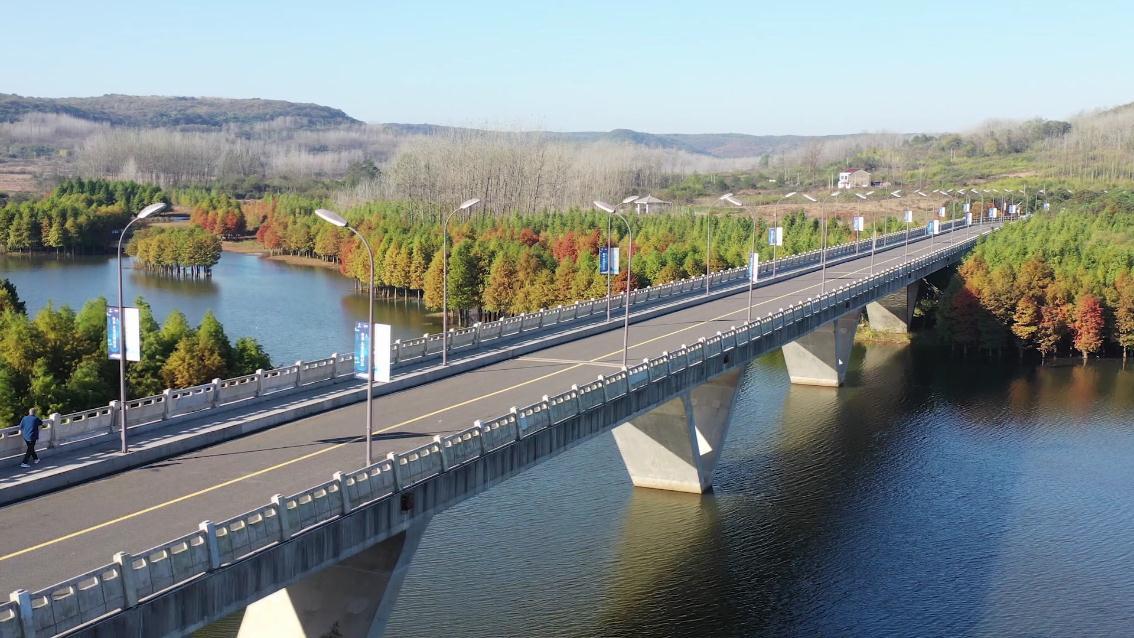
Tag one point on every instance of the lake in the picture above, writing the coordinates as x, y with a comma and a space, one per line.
930, 496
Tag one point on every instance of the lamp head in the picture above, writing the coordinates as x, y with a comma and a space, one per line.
469, 203
331, 217
152, 209
630, 199
601, 205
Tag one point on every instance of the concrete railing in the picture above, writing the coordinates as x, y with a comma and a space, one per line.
97, 425
132, 579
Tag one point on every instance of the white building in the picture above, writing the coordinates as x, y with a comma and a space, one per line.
854, 178
648, 203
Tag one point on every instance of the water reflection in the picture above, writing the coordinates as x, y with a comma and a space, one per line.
931, 496
295, 311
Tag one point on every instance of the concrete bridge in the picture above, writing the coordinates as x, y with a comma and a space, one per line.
304, 558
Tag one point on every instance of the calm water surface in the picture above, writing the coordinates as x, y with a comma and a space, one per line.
297, 312
929, 497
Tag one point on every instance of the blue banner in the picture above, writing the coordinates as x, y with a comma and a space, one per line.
361, 347
113, 333
603, 261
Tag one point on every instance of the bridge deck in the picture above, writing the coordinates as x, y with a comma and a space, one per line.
53, 537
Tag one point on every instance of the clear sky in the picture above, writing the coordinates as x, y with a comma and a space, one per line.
806, 67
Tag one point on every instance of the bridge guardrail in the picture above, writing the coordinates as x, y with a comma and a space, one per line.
92, 426
131, 579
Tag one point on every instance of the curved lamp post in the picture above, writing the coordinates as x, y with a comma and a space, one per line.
335, 219
152, 209
873, 230
625, 202
728, 197
601, 205
465, 205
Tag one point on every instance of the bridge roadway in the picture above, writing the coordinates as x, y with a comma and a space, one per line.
53, 537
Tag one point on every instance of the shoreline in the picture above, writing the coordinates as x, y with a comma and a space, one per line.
252, 247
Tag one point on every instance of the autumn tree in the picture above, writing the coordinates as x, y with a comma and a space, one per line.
1124, 313
1089, 325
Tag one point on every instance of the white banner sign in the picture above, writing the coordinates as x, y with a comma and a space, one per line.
909, 216
859, 223
968, 219
754, 267
776, 236
381, 335
941, 212
114, 333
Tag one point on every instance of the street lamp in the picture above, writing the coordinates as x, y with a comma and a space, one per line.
873, 231
928, 215
823, 256
625, 202
776, 225
152, 209
465, 205
727, 197
907, 217
601, 205
335, 219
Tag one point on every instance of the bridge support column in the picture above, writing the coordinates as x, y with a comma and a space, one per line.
821, 356
354, 598
893, 313
676, 446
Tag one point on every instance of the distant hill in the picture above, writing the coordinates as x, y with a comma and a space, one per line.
724, 145
178, 112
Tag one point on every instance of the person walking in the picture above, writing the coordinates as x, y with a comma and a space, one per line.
29, 429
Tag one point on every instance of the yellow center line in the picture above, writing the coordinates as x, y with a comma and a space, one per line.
261, 472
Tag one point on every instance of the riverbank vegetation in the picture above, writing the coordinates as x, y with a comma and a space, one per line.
1059, 282
57, 361
79, 216
509, 264
175, 252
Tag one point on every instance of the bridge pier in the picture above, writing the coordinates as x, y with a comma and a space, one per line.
893, 313
677, 445
821, 356
354, 598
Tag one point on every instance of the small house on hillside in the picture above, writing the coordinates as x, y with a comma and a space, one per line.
854, 178
650, 203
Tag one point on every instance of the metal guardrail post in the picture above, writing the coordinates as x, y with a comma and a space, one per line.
27, 623
126, 576
259, 382
216, 394
340, 480
55, 418
210, 531
282, 515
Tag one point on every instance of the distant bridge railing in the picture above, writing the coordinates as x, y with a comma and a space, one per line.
132, 579
100, 424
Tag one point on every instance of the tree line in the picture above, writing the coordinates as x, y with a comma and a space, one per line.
1056, 283
512, 263
57, 360
78, 216
175, 252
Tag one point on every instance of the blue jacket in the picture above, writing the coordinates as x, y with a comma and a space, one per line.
29, 427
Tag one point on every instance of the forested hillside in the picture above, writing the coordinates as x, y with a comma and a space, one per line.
78, 216
1058, 282
161, 111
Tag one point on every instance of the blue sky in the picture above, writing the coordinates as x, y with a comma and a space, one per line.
750, 67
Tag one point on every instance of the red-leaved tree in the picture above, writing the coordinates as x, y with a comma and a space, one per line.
1089, 325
